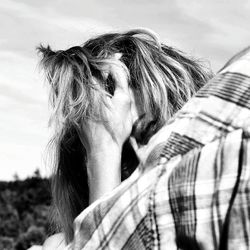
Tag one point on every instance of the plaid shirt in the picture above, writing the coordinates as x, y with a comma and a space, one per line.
192, 191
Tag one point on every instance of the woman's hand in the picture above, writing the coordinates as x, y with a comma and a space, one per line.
104, 140
118, 117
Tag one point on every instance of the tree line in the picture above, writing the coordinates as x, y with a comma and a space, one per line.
24, 212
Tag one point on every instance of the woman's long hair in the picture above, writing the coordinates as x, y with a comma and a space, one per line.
162, 78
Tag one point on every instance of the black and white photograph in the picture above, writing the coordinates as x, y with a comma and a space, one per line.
124, 125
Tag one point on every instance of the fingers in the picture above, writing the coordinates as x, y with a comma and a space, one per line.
121, 99
120, 76
118, 72
133, 106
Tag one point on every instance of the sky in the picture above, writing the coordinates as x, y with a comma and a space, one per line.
212, 30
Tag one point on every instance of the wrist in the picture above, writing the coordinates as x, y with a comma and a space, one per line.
106, 158
107, 149
104, 170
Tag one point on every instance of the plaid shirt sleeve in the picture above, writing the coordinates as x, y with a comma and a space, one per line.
192, 192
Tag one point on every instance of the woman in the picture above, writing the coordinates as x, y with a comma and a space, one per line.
115, 91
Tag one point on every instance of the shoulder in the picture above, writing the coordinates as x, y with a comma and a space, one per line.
55, 242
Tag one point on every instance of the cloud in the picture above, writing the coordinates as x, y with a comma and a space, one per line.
228, 33
24, 106
23, 116
49, 25
213, 30
22, 160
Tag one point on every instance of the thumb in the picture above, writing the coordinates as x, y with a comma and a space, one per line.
120, 75
122, 95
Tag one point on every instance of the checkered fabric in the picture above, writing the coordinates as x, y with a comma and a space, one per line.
193, 191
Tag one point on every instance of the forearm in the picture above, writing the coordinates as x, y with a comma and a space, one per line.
104, 171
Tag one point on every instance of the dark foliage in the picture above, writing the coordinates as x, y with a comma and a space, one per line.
24, 212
